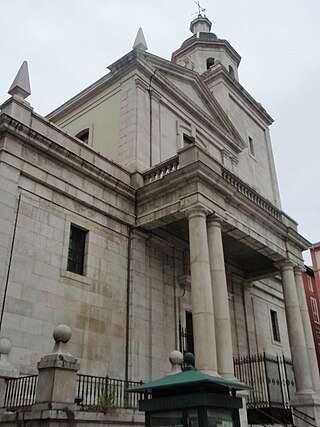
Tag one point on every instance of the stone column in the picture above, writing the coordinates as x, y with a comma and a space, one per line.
295, 329
202, 302
307, 329
220, 299
56, 387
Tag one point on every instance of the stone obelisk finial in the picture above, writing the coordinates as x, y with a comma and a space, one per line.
21, 84
140, 41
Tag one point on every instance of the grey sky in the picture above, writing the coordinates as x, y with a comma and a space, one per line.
69, 43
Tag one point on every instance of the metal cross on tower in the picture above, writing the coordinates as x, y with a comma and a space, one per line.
200, 8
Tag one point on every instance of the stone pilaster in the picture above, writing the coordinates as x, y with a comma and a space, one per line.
295, 330
202, 302
307, 329
220, 299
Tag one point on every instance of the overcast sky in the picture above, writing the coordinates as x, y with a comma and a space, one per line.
69, 44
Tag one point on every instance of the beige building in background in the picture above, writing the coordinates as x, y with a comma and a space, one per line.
145, 214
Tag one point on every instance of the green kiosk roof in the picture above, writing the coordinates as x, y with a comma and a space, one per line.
190, 377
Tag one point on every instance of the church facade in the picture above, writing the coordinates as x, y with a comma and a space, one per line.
145, 214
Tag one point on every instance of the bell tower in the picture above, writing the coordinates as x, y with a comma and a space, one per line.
204, 50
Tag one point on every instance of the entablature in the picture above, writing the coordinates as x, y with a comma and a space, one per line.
194, 177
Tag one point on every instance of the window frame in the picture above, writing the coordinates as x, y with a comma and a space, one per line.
276, 336
309, 283
251, 147
318, 337
78, 247
315, 310
85, 130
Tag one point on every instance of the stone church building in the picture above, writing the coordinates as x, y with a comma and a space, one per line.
145, 214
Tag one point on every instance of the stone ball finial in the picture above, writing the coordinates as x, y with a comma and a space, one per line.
176, 357
5, 346
62, 333
189, 359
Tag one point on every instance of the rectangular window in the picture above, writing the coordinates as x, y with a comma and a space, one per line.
275, 326
189, 333
251, 146
309, 281
318, 337
314, 307
77, 244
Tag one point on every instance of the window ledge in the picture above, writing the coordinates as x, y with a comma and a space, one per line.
75, 277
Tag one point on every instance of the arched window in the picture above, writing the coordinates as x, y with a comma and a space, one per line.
84, 136
231, 71
210, 62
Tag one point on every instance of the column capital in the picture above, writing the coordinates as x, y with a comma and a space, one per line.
285, 265
214, 220
299, 269
197, 210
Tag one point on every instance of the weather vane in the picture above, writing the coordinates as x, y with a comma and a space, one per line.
200, 8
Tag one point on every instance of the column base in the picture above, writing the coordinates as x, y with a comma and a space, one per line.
306, 409
209, 372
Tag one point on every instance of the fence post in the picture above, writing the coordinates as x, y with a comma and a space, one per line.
57, 374
6, 369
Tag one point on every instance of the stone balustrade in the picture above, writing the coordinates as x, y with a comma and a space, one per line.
161, 170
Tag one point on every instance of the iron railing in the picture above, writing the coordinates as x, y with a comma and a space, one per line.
104, 393
272, 380
20, 391
100, 393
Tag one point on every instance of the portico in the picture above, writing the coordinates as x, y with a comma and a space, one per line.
227, 224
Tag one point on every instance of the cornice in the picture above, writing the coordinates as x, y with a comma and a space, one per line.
207, 44
215, 73
54, 150
232, 189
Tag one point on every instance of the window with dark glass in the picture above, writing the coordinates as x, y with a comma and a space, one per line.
76, 253
275, 325
187, 140
318, 337
210, 62
189, 333
83, 136
251, 146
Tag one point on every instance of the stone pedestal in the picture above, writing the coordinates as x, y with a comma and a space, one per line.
57, 378
6, 369
57, 381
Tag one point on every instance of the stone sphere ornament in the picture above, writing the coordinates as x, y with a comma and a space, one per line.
5, 346
176, 357
62, 333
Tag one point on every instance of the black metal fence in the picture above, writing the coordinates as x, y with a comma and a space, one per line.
105, 394
272, 380
20, 391
100, 393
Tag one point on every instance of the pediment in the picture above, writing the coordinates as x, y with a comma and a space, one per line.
188, 88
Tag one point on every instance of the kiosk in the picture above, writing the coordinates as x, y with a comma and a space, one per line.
191, 399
